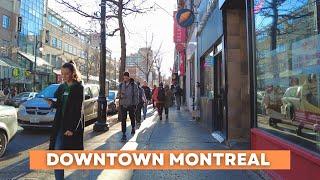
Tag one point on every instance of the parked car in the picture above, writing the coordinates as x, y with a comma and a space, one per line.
297, 109
8, 126
20, 98
37, 113
113, 102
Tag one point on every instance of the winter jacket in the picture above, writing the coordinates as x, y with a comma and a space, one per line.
71, 121
128, 94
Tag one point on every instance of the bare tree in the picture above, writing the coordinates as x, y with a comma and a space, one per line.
158, 64
117, 10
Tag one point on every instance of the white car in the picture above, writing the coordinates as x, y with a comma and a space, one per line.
8, 126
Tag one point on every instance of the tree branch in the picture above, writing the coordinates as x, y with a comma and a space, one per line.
113, 32
76, 9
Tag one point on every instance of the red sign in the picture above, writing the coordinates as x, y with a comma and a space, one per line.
179, 33
180, 47
182, 59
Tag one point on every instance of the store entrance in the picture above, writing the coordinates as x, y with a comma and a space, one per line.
219, 95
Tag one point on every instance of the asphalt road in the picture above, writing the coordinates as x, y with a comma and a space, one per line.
16, 159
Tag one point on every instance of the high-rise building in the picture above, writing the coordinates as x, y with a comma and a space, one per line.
140, 63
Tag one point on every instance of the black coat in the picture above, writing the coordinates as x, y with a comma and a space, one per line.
71, 119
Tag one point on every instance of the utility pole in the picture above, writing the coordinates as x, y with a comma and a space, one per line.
101, 124
35, 63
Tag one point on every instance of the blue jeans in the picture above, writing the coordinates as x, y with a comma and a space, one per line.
59, 174
145, 109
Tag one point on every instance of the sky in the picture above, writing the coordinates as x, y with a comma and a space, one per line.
157, 22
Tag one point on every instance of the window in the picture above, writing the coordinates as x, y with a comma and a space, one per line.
66, 47
59, 62
53, 60
53, 42
48, 58
207, 72
95, 91
54, 21
288, 72
87, 92
5, 22
59, 44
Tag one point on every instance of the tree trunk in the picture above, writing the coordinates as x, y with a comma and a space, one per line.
147, 77
122, 41
159, 74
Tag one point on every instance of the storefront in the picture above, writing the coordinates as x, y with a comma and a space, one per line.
209, 55
284, 51
43, 76
13, 75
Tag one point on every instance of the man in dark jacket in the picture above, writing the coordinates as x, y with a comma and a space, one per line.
128, 94
147, 92
142, 101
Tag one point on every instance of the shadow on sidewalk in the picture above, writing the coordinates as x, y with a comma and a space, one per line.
113, 142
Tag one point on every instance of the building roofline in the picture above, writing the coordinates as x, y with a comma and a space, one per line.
65, 21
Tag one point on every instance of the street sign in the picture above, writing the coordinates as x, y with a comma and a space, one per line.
19, 23
185, 17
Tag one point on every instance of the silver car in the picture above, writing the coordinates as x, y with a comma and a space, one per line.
37, 113
8, 126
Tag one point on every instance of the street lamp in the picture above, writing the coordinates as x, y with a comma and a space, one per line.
36, 44
101, 124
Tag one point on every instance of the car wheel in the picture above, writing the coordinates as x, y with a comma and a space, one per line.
3, 143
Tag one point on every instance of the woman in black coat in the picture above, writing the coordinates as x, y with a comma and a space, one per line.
68, 126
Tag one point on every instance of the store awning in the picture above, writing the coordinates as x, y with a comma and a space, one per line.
30, 57
2, 63
9, 63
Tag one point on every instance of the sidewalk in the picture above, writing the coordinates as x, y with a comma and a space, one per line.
179, 132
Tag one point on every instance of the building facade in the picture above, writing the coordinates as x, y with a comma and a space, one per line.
29, 56
9, 13
139, 64
62, 42
252, 72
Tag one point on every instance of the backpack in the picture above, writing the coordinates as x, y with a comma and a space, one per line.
161, 94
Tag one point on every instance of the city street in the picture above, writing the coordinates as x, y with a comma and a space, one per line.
179, 132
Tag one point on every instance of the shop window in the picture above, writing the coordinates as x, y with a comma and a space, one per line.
288, 70
5, 22
207, 72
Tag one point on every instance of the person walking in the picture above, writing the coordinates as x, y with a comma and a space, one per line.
152, 94
14, 92
142, 101
148, 94
168, 100
128, 94
68, 125
159, 98
178, 95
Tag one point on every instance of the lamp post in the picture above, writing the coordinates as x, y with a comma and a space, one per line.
101, 124
36, 44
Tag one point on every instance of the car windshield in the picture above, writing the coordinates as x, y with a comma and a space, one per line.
21, 95
48, 92
112, 95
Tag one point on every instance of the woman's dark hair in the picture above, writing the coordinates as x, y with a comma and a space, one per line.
72, 67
